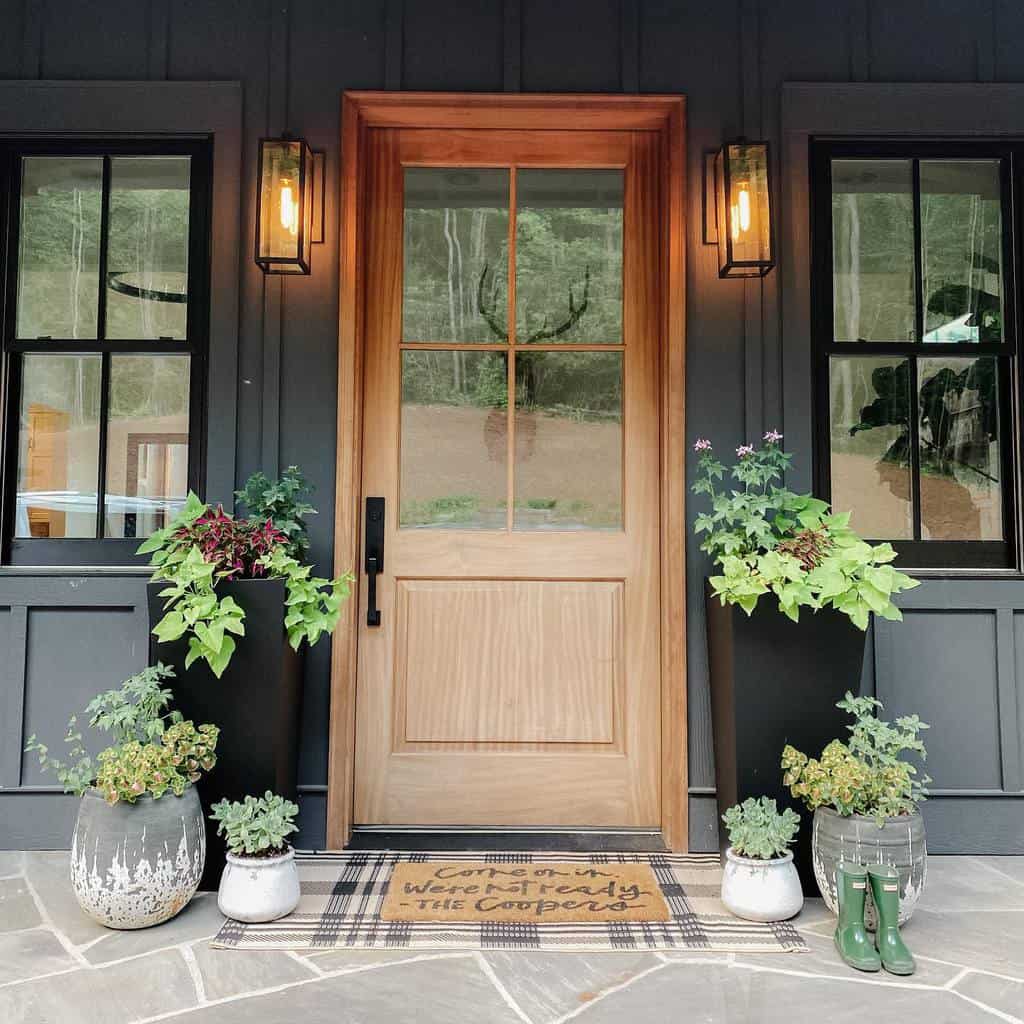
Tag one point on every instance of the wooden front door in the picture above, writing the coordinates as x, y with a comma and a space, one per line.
512, 395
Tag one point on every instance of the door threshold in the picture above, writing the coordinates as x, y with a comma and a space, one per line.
457, 838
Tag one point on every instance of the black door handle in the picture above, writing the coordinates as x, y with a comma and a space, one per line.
374, 556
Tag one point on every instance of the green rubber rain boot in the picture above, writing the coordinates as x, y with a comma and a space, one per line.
885, 890
852, 940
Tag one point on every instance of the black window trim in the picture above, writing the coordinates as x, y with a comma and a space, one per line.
950, 556
25, 552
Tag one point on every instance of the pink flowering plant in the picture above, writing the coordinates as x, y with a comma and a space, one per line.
155, 750
204, 546
767, 539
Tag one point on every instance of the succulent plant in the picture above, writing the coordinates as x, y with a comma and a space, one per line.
256, 826
757, 828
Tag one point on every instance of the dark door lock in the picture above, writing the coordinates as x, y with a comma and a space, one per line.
374, 556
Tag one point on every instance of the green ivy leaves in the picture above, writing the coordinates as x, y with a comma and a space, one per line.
753, 531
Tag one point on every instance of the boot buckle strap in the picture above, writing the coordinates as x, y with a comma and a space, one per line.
860, 885
890, 887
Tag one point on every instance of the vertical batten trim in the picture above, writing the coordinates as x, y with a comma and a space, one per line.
278, 74
33, 12
629, 45
512, 43
394, 17
749, 29
12, 724
157, 57
858, 25
1006, 689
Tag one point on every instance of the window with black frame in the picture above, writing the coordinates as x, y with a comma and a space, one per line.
915, 346
105, 321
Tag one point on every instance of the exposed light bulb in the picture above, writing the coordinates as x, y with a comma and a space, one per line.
289, 208
744, 209
734, 220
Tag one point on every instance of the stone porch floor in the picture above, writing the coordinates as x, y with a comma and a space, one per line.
58, 967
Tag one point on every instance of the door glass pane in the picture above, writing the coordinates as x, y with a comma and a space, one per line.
873, 250
870, 442
961, 250
455, 285
569, 256
147, 443
147, 249
568, 458
961, 496
58, 252
454, 440
58, 446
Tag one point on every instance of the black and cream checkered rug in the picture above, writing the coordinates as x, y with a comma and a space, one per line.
342, 895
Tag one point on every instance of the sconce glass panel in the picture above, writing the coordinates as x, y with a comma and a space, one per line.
285, 206
743, 210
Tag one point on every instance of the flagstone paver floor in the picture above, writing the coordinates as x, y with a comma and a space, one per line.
58, 967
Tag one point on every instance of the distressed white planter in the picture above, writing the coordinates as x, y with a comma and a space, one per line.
858, 839
256, 889
136, 865
761, 890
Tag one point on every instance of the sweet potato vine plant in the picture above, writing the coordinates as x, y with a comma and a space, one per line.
204, 546
767, 539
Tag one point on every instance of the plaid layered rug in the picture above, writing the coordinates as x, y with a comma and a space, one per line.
342, 895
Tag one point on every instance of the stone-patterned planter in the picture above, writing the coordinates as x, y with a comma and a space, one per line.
858, 839
136, 865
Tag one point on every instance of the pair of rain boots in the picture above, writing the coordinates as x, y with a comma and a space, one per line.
852, 940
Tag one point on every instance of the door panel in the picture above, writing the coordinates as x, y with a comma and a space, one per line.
511, 422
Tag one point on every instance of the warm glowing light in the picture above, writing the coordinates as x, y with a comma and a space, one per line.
734, 220
289, 208
744, 207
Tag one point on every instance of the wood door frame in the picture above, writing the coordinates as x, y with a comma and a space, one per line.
665, 115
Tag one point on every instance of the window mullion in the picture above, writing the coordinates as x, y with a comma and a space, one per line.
101, 332
912, 396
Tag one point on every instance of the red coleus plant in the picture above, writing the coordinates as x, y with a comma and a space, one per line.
234, 546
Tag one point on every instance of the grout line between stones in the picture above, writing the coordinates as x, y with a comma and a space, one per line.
492, 977
70, 948
610, 991
305, 961
189, 956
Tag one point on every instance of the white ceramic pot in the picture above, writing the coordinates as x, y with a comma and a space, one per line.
761, 890
256, 889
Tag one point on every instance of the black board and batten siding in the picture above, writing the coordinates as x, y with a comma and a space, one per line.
959, 658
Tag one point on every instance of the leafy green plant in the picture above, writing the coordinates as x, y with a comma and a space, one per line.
313, 604
757, 828
283, 504
154, 749
867, 774
256, 826
204, 546
768, 539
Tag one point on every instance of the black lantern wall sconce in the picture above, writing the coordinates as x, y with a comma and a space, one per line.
737, 208
289, 205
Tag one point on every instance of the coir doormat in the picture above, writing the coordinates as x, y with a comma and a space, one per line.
467, 891
344, 895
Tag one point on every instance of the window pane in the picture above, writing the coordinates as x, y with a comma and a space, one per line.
961, 496
962, 254
147, 249
569, 256
58, 447
58, 254
568, 463
147, 443
454, 440
455, 286
873, 250
870, 443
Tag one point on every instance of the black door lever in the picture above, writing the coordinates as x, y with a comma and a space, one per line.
374, 556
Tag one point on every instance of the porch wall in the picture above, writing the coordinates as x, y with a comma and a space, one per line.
959, 659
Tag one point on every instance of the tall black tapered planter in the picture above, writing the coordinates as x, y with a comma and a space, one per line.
256, 703
773, 682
